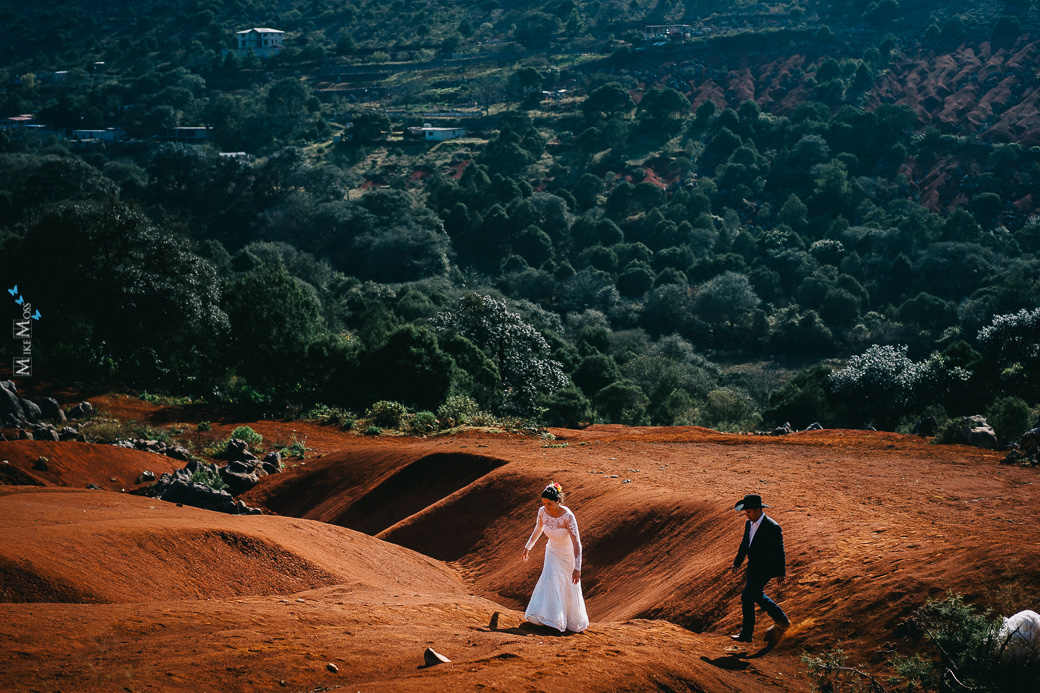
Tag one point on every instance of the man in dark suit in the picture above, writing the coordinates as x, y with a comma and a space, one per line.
763, 546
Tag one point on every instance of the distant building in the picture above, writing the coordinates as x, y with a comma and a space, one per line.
667, 32
263, 42
19, 122
107, 135
431, 134
25, 124
191, 134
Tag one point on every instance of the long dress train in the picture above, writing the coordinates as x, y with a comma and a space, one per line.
557, 601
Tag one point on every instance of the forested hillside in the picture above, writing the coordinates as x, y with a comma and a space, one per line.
769, 212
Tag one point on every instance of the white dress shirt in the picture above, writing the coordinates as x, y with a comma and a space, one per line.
754, 528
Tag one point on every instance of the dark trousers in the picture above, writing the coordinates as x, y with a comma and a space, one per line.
754, 593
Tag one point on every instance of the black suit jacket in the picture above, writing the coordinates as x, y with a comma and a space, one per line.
765, 555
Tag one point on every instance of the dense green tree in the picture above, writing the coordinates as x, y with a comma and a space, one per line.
662, 108
386, 235
35, 181
606, 101
288, 97
567, 407
623, 402
595, 372
722, 144
519, 351
588, 190
928, 311
120, 285
410, 368
274, 318
797, 332
475, 374
803, 400
597, 257
536, 29
726, 298
1012, 343
704, 113
635, 280
368, 126
534, 245
1006, 30
954, 270
961, 227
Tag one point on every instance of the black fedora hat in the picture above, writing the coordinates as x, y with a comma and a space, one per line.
751, 501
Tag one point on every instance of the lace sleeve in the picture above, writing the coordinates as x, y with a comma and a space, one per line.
572, 527
537, 530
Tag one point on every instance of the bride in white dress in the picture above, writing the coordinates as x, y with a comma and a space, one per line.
557, 599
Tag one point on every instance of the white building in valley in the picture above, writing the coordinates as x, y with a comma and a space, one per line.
262, 41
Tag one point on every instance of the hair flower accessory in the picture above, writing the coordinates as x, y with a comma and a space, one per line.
553, 486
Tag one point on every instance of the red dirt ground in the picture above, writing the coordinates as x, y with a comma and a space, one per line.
381, 547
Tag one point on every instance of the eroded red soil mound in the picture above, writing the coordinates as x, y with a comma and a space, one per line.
875, 523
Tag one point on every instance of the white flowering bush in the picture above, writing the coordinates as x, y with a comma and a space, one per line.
1014, 336
881, 383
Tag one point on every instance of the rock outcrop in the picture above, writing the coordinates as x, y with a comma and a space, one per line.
185, 486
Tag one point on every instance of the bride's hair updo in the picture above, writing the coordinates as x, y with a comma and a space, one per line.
553, 492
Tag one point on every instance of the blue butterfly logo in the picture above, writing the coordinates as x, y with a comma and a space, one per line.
36, 315
13, 291
20, 300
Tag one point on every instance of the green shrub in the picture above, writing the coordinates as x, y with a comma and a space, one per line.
251, 437
204, 426
324, 414
245, 433
347, 424
387, 414
965, 640
425, 422
456, 410
210, 477
111, 430
949, 433
730, 411
1010, 417
483, 418
966, 655
830, 673
218, 450
294, 450
165, 400
373, 431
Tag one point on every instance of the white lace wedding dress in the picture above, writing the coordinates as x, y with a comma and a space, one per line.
557, 601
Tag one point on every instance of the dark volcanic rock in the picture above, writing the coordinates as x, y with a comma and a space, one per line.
977, 432
45, 433
239, 477
81, 410
51, 411
238, 451
926, 427
30, 411
9, 404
